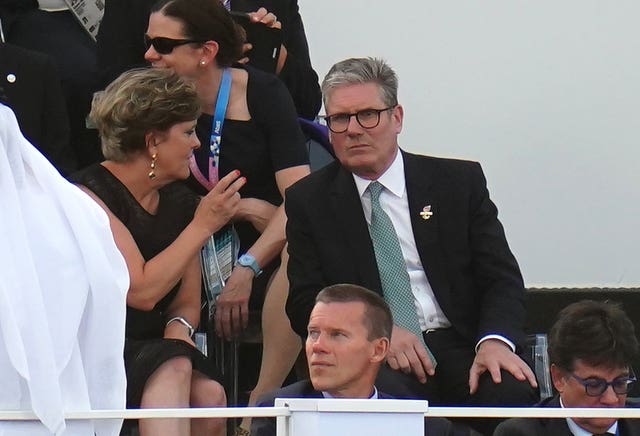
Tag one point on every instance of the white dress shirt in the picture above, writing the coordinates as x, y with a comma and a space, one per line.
373, 396
393, 201
576, 430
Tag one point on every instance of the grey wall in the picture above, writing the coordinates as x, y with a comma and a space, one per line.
545, 94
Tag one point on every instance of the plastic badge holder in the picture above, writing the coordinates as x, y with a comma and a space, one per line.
218, 257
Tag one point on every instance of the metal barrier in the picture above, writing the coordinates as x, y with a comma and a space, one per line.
241, 412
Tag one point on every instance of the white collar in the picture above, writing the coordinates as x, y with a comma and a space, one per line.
576, 430
392, 179
373, 396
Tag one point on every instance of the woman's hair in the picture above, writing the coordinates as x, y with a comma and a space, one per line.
360, 71
138, 102
206, 20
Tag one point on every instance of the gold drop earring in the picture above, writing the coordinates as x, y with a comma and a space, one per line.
152, 173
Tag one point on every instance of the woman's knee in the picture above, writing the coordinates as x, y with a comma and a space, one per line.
206, 392
178, 369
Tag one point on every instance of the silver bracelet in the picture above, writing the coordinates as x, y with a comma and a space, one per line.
182, 321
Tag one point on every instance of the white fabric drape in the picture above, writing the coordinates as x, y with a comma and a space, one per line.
63, 289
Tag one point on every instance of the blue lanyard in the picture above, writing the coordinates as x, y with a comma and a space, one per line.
216, 134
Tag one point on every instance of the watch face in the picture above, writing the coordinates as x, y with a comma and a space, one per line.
250, 262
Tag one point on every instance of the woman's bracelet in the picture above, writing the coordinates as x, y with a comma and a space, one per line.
182, 321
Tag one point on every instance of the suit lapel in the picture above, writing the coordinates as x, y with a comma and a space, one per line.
554, 426
422, 197
347, 209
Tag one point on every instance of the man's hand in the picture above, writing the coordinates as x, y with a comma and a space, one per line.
407, 354
494, 355
232, 305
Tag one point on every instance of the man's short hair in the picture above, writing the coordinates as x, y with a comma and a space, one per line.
377, 315
359, 71
598, 333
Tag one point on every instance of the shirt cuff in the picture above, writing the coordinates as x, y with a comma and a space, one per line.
498, 337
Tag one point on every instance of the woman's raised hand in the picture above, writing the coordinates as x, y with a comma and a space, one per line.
220, 205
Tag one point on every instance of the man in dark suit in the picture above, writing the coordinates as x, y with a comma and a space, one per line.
121, 45
464, 281
591, 347
348, 339
29, 85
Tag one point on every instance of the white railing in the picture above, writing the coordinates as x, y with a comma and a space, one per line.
241, 412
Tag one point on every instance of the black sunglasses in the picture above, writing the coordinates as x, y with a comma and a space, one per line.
166, 45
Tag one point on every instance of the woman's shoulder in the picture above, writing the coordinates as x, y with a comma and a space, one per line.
266, 91
261, 81
95, 177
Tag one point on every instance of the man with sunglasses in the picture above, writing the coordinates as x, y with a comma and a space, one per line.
591, 347
422, 232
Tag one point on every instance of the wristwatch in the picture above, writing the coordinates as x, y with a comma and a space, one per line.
250, 262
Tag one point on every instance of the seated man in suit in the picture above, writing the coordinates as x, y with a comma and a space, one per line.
30, 86
422, 232
348, 340
349, 331
591, 347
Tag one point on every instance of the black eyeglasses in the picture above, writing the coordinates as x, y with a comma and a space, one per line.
367, 118
166, 45
594, 386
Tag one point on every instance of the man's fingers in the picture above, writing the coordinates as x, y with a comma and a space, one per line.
523, 372
494, 370
417, 367
393, 363
403, 363
425, 359
473, 379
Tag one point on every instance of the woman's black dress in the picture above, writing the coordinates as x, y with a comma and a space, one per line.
145, 349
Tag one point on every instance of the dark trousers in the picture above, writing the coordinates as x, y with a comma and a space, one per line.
450, 384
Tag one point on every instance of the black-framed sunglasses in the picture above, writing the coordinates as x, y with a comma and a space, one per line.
367, 118
166, 45
595, 386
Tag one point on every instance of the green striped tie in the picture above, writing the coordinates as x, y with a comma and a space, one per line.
394, 277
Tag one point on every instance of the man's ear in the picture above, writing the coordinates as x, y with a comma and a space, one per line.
380, 350
558, 377
398, 116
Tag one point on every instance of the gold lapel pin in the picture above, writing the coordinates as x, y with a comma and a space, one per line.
426, 212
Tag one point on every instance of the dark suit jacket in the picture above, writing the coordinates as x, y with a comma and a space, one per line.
554, 426
463, 249
36, 98
120, 45
304, 389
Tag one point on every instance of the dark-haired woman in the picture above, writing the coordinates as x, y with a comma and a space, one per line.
255, 131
